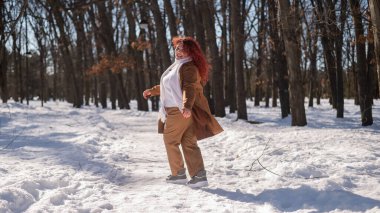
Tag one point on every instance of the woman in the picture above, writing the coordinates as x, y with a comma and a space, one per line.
184, 115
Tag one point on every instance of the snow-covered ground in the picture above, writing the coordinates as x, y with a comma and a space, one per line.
61, 159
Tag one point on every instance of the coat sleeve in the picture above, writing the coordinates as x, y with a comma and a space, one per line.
155, 90
188, 84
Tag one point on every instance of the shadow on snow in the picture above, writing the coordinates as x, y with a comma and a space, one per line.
288, 199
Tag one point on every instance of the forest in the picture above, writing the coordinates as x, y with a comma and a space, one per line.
277, 53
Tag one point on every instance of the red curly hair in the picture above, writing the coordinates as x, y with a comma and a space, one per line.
194, 50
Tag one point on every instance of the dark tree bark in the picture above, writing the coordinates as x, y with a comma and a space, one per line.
64, 41
217, 72
374, 6
161, 34
171, 18
137, 70
280, 65
231, 67
290, 26
260, 54
371, 64
3, 74
224, 50
100, 80
106, 36
78, 20
364, 84
338, 53
186, 13
3, 58
116, 79
238, 39
196, 17
40, 36
325, 17
311, 40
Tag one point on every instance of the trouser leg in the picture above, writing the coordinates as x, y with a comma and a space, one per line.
192, 152
175, 126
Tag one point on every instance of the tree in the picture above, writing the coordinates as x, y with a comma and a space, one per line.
217, 74
65, 49
291, 27
278, 54
374, 6
260, 55
238, 40
161, 34
364, 86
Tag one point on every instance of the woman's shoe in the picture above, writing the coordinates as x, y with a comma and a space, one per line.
199, 180
180, 178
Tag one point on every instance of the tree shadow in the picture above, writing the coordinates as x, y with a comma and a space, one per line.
304, 197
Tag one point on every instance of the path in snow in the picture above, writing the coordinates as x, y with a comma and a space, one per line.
61, 159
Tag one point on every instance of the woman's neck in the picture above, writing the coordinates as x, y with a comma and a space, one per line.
182, 59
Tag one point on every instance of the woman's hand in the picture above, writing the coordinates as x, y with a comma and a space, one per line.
147, 94
186, 113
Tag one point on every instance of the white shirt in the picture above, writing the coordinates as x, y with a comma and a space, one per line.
170, 88
169, 82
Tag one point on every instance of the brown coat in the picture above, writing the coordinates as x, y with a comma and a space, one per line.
205, 124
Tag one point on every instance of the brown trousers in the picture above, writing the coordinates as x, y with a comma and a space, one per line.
180, 131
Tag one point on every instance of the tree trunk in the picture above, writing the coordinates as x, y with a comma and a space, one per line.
171, 18
238, 40
196, 17
3, 73
325, 18
106, 36
364, 84
39, 35
224, 51
3, 58
355, 75
100, 86
15, 49
371, 65
374, 6
260, 55
313, 71
186, 13
280, 66
161, 34
217, 72
78, 20
338, 53
65, 51
290, 27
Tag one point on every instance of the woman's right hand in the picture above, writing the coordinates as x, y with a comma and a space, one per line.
147, 94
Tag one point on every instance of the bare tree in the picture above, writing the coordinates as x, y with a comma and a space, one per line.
161, 34
365, 98
238, 39
278, 54
65, 49
171, 18
217, 72
374, 6
291, 34
260, 54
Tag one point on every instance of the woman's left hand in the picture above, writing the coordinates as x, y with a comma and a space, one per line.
186, 113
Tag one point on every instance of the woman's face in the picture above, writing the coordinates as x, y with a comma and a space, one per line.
180, 52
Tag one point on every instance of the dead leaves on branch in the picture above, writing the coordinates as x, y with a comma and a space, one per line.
141, 45
115, 64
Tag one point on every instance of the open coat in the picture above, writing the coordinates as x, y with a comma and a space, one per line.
190, 81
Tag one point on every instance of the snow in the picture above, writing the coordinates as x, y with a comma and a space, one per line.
60, 159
